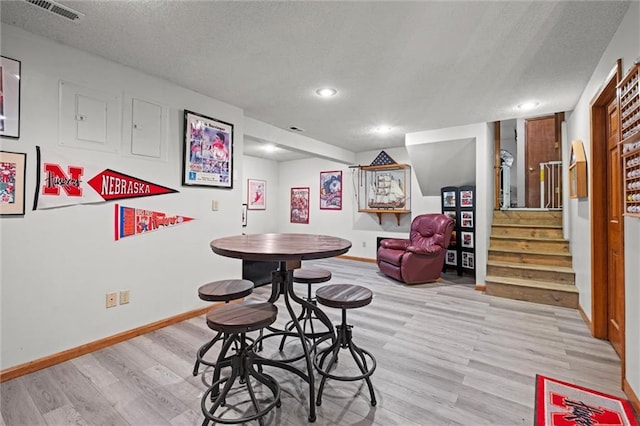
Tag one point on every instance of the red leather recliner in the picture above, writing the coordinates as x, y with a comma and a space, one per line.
420, 258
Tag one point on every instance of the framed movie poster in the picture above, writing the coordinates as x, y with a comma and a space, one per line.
449, 199
12, 177
467, 219
9, 97
467, 239
208, 152
466, 198
468, 260
300, 205
256, 194
452, 258
331, 190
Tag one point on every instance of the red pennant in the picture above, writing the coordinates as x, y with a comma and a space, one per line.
112, 185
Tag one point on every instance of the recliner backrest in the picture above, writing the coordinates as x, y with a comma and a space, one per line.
430, 229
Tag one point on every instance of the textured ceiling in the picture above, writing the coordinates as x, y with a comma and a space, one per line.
412, 65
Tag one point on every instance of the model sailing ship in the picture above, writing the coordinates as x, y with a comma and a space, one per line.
386, 192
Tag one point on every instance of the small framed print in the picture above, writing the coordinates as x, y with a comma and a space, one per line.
468, 260
208, 152
451, 258
449, 199
466, 198
331, 190
256, 194
300, 205
467, 239
451, 214
244, 215
467, 219
9, 97
12, 178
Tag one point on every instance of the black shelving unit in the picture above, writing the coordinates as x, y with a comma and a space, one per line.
459, 202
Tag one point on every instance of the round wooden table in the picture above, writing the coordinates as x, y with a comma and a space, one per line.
283, 248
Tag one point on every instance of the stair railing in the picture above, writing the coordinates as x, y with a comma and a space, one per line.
551, 185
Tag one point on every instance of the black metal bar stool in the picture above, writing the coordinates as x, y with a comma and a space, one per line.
235, 320
220, 291
307, 276
344, 296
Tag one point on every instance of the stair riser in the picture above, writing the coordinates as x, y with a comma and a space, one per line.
535, 295
525, 232
532, 259
539, 246
528, 217
532, 274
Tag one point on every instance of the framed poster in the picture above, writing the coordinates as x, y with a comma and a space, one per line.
449, 199
452, 258
9, 97
244, 215
467, 219
299, 205
331, 190
12, 178
467, 239
466, 198
208, 152
256, 194
451, 214
468, 260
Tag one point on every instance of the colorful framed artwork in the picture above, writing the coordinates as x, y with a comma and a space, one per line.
449, 199
466, 198
451, 214
244, 215
9, 97
300, 205
452, 258
12, 178
331, 190
208, 152
467, 219
256, 194
467, 239
468, 260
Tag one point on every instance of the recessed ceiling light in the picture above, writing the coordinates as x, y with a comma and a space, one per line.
382, 129
527, 106
270, 147
326, 92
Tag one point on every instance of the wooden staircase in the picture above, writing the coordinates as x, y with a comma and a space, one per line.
529, 259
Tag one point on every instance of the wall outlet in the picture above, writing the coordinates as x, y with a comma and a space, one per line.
112, 300
364, 244
124, 297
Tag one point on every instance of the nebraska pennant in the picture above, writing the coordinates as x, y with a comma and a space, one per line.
130, 221
65, 182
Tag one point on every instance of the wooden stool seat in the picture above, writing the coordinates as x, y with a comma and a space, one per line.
344, 296
311, 275
242, 317
225, 290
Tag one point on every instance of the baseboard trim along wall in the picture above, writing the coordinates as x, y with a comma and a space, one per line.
633, 398
48, 361
360, 259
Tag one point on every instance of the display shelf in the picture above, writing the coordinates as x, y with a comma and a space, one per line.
629, 102
631, 167
385, 189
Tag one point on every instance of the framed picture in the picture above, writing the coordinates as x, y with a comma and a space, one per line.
244, 215
467, 239
9, 97
452, 258
449, 199
208, 152
256, 194
468, 260
12, 178
451, 214
300, 205
466, 198
467, 219
331, 190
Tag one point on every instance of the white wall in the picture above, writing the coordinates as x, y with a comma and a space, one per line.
58, 265
626, 45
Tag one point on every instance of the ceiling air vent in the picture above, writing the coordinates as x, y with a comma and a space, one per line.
296, 129
57, 9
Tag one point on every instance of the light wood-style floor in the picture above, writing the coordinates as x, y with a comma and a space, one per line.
447, 355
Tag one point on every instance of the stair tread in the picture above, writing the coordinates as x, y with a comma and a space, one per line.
537, 267
505, 250
571, 288
511, 237
526, 225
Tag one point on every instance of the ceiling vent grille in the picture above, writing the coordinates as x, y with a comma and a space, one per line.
57, 9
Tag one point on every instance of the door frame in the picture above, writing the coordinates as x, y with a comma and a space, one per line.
598, 208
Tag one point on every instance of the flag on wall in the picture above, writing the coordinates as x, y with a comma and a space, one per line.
130, 221
61, 181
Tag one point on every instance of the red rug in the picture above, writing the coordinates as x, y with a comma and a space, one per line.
563, 404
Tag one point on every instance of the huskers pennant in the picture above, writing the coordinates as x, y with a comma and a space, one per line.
130, 221
61, 181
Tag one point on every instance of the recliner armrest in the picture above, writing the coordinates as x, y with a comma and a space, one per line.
428, 250
395, 243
